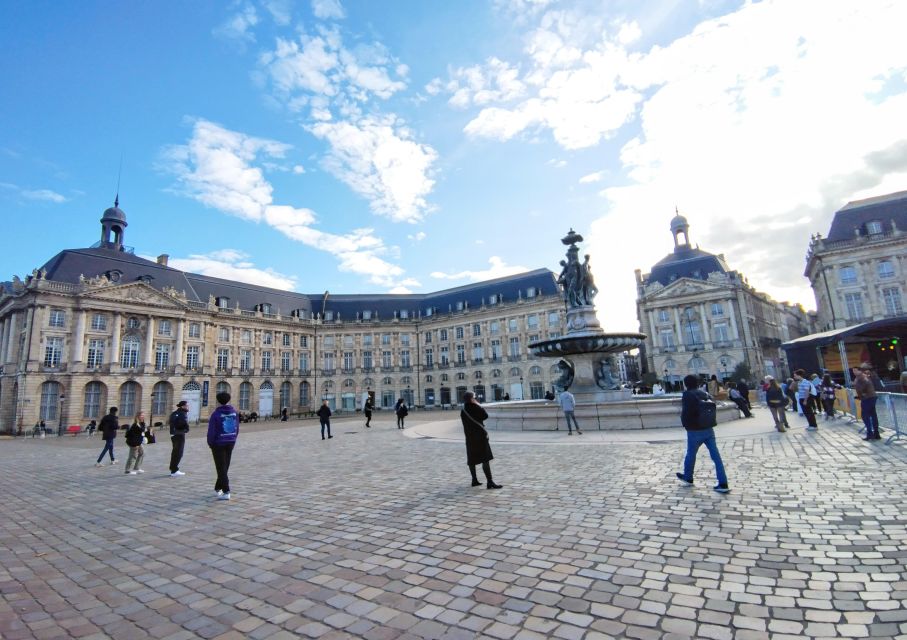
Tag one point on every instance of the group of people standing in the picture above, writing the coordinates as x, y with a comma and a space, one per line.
223, 429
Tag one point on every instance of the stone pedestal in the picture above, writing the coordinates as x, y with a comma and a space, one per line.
584, 387
582, 321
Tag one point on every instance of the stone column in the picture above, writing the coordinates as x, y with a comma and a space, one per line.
32, 336
114, 356
735, 330
679, 327
149, 343
12, 339
4, 338
180, 328
705, 324
78, 338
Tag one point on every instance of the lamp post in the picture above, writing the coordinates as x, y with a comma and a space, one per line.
522, 393
409, 397
666, 378
62, 399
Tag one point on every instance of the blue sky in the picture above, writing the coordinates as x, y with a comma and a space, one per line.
413, 146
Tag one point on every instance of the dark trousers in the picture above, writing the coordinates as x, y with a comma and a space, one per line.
829, 405
222, 454
486, 469
870, 418
743, 406
325, 422
806, 405
108, 446
179, 442
400, 419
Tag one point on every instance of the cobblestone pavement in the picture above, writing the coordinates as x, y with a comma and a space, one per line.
378, 536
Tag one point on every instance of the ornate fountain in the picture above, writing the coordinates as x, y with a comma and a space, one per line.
586, 364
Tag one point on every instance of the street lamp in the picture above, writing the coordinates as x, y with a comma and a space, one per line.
522, 393
62, 399
666, 378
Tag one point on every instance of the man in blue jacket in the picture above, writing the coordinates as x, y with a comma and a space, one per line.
223, 429
700, 432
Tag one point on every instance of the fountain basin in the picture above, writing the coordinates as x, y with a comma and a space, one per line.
590, 342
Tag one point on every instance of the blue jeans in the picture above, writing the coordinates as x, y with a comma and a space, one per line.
568, 416
108, 446
695, 439
870, 418
325, 422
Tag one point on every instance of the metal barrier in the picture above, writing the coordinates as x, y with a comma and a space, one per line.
895, 416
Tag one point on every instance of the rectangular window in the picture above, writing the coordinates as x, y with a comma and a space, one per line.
532, 321
223, 359
427, 337
303, 342
223, 334
57, 317
512, 324
496, 353
554, 319
129, 354
246, 336
348, 360
99, 322
245, 360
267, 338
162, 356
266, 360
405, 358
328, 360
286, 360
195, 330
245, 391
95, 353
347, 341
429, 357
848, 275
367, 359
662, 315
445, 355
892, 298
328, 342
854, 302
554, 334
459, 331
476, 330
386, 359
667, 338
405, 339
442, 335
53, 352
717, 309
886, 270
461, 354
514, 347
721, 334
192, 357
367, 340
304, 361
385, 338
163, 328
478, 352
286, 340
494, 327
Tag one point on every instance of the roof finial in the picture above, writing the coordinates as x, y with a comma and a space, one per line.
116, 200
676, 210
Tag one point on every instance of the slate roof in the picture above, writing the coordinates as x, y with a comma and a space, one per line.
686, 262
68, 265
855, 215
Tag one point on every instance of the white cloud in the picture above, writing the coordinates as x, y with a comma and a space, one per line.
494, 81
328, 9
298, 169
239, 26
380, 161
498, 269
417, 237
556, 163
281, 11
216, 167
45, 195
592, 177
231, 264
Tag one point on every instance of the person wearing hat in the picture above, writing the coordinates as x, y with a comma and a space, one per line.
866, 393
179, 427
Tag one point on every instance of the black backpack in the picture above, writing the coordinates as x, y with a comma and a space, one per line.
707, 411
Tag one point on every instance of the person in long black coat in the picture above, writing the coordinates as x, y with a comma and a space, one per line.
478, 449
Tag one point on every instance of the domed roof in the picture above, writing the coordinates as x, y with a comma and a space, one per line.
114, 213
678, 222
686, 262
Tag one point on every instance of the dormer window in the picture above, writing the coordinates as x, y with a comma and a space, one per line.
142, 278
114, 275
329, 316
428, 312
873, 227
493, 298
366, 315
459, 306
223, 302
404, 314
531, 292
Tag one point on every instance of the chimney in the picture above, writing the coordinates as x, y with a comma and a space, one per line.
162, 259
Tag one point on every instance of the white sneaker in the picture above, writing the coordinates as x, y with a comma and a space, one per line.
113, 462
224, 496
132, 473
176, 474
140, 471
98, 464
218, 493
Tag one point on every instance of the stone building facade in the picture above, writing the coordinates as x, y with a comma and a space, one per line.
858, 271
702, 317
101, 327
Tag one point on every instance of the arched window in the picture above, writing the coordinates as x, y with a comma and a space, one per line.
461, 376
129, 353
245, 396
368, 382
478, 376
266, 385
444, 377
304, 394
515, 372
130, 392
405, 380
348, 383
428, 378
93, 391
222, 387
50, 398
496, 373
697, 365
286, 393
387, 380
192, 386
160, 398
535, 370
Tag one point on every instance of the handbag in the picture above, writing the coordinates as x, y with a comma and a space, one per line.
149, 437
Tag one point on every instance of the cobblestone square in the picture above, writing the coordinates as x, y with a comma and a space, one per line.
377, 535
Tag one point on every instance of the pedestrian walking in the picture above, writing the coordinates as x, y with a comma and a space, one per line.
92, 427
367, 410
136, 436
827, 393
478, 449
866, 393
777, 403
402, 411
324, 417
223, 429
109, 426
737, 398
804, 391
790, 390
698, 415
568, 406
179, 427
